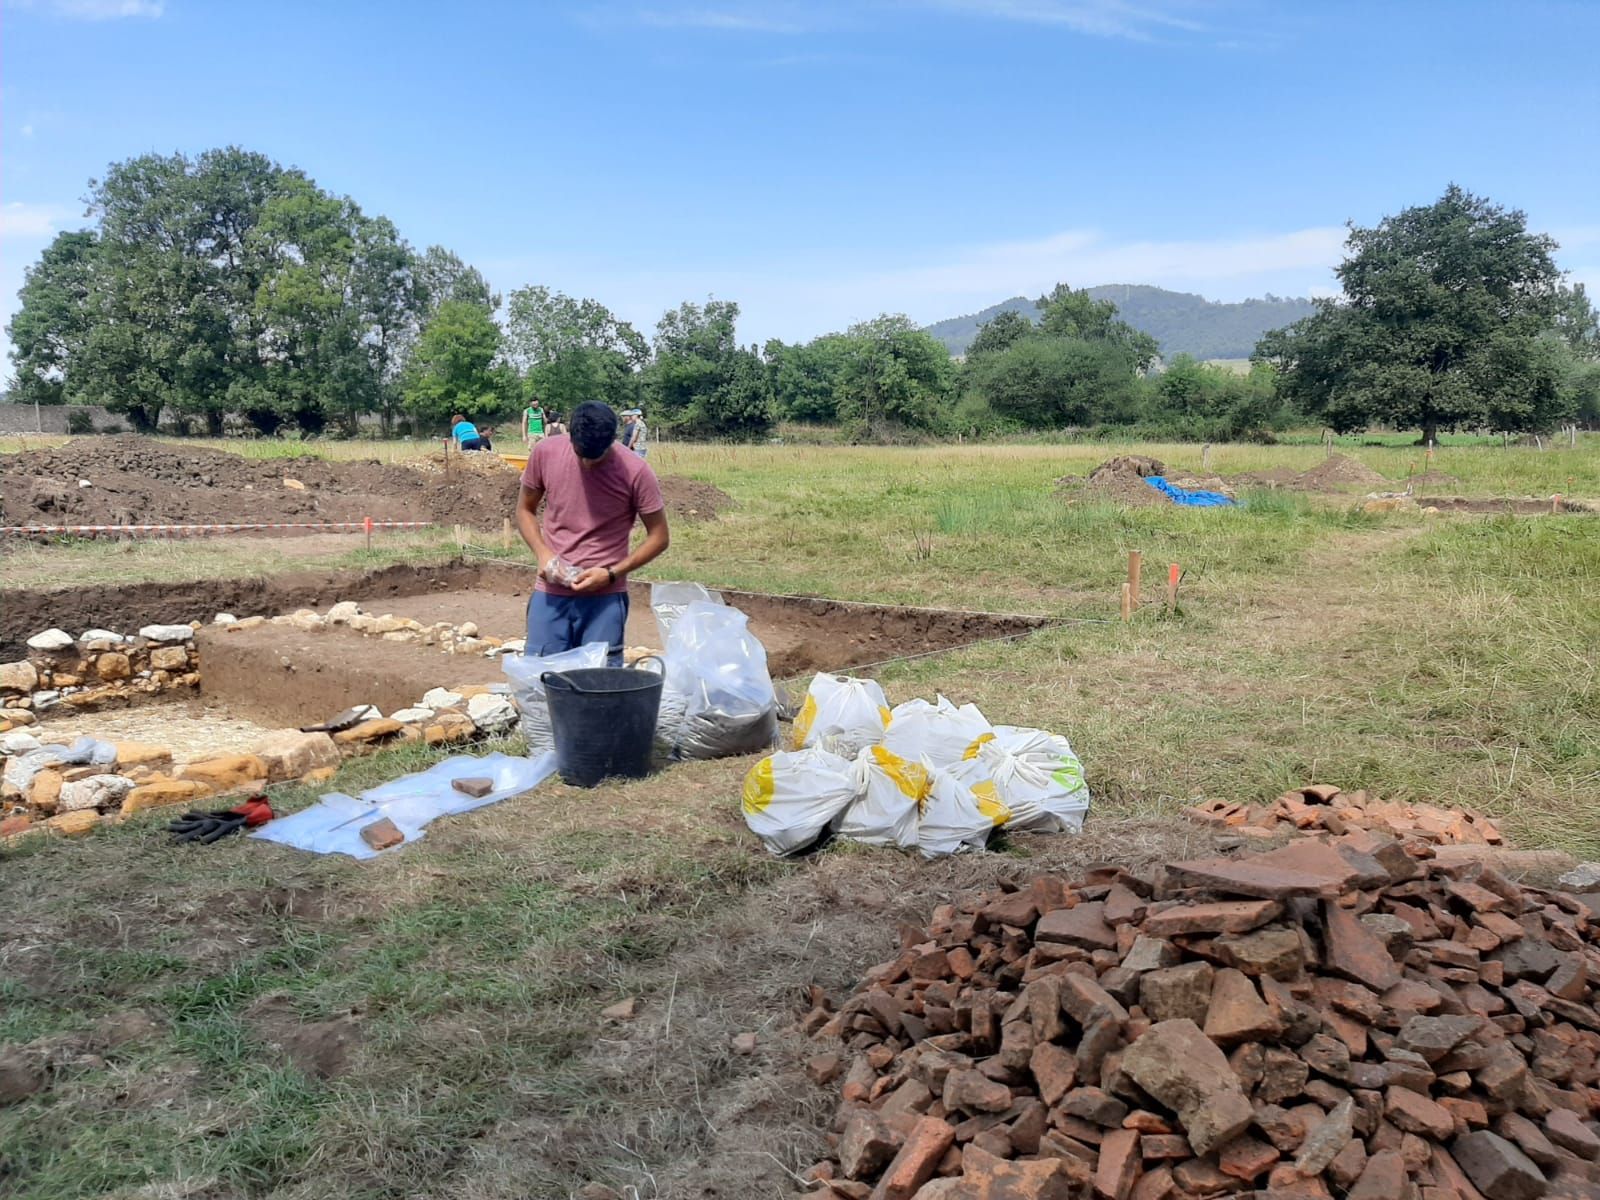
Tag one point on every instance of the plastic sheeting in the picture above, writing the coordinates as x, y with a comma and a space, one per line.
1189, 499
333, 825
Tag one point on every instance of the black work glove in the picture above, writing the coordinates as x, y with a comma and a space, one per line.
208, 827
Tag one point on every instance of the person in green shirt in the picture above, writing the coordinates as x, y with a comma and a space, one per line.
533, 422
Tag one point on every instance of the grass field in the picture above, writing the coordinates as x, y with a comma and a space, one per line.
1443, 658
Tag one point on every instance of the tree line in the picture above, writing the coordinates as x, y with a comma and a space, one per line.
225, 288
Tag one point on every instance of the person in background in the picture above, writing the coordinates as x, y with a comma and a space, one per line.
634, 431
467, 436
554, 426
533, 423
593, 492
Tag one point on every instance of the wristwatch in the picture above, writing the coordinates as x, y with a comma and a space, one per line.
611, 575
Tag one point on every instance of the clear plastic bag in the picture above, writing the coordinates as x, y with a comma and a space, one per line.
842, 714
792, 797
890, 793
939, 733
718, 699
668, 600
533, 706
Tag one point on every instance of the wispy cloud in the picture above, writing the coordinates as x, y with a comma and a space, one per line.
96, 10
737, 18
22, 221
1098, 18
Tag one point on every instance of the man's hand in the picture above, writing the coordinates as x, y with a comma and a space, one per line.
593, 580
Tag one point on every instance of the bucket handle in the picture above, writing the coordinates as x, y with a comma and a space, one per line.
638, 664
565, 680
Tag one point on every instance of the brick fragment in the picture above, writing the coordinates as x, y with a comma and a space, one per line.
1496, 1167
1119, 1166
929, 1140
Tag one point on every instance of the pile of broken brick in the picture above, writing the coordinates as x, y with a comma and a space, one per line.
1325, 808
1345, 1017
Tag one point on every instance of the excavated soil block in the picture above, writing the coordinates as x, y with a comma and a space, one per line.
800, 634
285, 677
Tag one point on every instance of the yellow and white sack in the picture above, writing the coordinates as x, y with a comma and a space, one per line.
890, 793
956, 817
841, 714
939, 734
1035, 774
792, 797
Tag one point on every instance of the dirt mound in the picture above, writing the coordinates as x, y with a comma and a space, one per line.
1120, 480
692, 500
1336, 473
134, 480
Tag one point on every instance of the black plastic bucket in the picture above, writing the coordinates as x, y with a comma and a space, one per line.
603, 722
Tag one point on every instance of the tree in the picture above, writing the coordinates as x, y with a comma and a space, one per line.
1439, 327
443, 277
893, 373
1065, 313
573, 350
1050, 382
701, 380
1005, 330
805, 377
227, 284
455, 367
48, 332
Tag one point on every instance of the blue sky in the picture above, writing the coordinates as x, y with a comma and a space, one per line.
820, 163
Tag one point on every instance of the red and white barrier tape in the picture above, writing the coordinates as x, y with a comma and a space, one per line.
203, 530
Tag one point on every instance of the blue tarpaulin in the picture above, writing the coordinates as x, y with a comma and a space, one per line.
1194, 499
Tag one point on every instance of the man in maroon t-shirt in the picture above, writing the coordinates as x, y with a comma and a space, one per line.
592, 492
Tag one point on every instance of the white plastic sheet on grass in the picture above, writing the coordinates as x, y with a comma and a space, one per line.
333, 825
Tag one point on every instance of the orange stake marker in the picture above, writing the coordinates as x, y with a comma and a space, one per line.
1172, 587
367, 524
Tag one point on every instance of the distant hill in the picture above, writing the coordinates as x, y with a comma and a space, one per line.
1182, 322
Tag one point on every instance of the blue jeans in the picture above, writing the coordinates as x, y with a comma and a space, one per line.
557, 623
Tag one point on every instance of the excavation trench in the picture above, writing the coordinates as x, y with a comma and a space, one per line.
281, 675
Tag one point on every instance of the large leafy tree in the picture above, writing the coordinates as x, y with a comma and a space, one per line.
442, 277
1005, 330
1448, 320
805, 376
1068, 313
1050, 382
701, 380
456, 367
573, 350
893, 373
221, 284
48, 332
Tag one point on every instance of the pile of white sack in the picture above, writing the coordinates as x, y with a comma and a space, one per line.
717, 700
933, 777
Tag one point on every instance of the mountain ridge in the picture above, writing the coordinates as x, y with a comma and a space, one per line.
1182, 322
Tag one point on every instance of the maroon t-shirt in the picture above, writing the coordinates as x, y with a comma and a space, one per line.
589, 511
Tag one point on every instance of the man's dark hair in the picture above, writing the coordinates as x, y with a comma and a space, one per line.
593, 429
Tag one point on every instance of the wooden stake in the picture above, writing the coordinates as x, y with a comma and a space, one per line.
1135, 561
367, 522
1127, 603
1555, 503
505, 533
1205, 457
1172, 587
